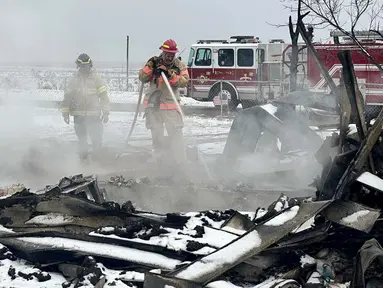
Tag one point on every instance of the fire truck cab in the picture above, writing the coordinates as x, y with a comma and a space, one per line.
226, 72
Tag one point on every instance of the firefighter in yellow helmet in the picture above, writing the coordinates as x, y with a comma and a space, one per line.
86, 99
161, 110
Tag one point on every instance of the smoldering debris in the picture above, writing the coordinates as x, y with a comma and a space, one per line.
121, 181
70, 235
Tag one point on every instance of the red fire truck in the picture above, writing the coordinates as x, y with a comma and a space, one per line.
244, 70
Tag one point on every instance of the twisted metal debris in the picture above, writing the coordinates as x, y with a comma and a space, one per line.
63, 236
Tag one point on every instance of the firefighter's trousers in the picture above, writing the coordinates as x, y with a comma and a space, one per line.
88, 125
172, 120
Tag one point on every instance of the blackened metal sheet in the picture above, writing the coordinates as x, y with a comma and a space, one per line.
15, 215
42, 249
263, 260
91, 222
302, 239
64, 230
247, 128
248, 245
352, 215
238, 224
243, 135
70, 206
73, 233
162, 281
23, 198
370, 250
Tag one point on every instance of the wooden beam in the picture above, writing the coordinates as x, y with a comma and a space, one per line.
310, 46
361, 157
354, 97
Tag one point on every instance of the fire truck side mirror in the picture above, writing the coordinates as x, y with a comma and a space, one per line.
261, 56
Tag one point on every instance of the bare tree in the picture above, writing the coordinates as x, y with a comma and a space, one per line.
294, 35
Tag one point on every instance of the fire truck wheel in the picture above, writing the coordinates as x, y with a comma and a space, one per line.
248, 103
228, 93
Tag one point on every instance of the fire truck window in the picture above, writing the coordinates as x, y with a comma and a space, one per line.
203, 57
245, 57
226, 57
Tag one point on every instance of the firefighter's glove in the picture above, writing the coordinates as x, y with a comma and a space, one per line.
66, 117
171, 73
152, 62
105, 118
168, 72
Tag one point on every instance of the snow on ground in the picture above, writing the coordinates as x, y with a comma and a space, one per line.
371, 180
45, 123
354, 217
315, 278
26, 275
307, 260
324, 133
120, 275
234, 230
22, 266
212, 147
51, 219
222, 257
283, 217
221, 284
178, 240
307, 225
279, 206
270, 108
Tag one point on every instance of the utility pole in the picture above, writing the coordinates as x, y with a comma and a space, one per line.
127, 63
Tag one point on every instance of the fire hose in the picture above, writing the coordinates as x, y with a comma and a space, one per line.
137, 111
183, 117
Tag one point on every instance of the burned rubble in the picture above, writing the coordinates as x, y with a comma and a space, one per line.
62, 236
71, 235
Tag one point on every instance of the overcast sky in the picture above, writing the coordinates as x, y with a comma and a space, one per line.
57, 31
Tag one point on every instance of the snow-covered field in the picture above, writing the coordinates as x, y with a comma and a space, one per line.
51, 78
47, 123
27, 131
20, 95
